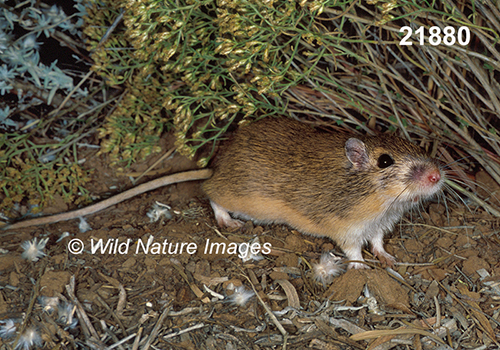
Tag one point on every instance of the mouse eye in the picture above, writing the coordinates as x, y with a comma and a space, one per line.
385, 161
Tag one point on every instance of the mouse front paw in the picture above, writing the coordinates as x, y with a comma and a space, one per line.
385, 258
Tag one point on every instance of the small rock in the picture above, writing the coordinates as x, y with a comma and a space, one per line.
471, 265
444, 242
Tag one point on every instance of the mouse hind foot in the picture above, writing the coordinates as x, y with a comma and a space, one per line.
379, 252
223, 218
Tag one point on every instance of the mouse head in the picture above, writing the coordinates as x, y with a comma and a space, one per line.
398, 168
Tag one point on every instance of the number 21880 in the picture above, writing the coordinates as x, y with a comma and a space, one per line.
448, 37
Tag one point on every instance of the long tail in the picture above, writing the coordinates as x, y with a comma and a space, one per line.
94, 208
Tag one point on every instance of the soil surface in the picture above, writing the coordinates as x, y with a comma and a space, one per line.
158, 283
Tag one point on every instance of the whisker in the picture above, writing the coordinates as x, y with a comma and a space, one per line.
456, 161
456, 198
445, 203
419, 208
460, 200
395, 200
475, 198
463, 178
493, 196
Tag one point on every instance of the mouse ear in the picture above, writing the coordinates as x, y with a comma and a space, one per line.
355, 150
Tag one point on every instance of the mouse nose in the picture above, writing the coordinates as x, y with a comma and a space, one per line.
434, 176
